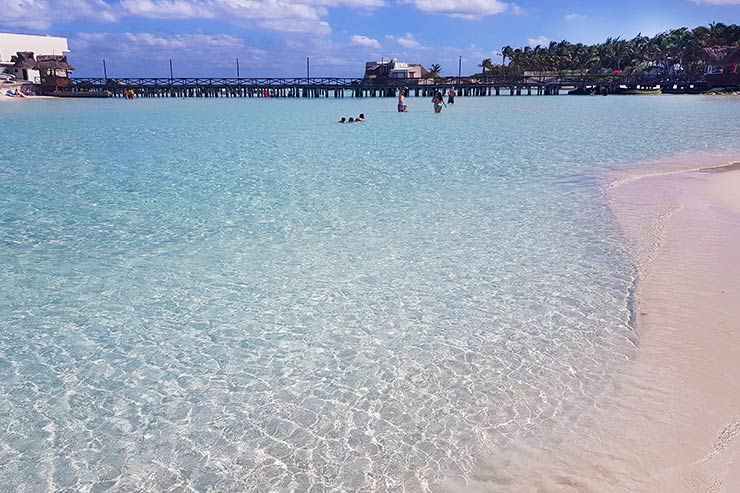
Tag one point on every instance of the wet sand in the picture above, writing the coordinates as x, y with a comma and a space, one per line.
671, 422
686, 232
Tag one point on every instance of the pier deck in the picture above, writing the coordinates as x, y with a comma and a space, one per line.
188, 87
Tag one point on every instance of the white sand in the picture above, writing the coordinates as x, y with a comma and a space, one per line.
671, 422
687, 233
7, 99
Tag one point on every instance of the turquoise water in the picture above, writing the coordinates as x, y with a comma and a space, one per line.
243, 295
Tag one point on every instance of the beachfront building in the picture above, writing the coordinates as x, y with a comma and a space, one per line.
723, 65
24, 66
394, 69
19, 54
54, 70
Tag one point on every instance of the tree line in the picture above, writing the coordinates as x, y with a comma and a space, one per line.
677, 50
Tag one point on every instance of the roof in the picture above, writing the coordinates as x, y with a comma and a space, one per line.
722, 55
23, 59
52, 62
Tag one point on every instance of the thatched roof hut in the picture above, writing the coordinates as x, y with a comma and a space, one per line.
722, 55
23, 60
53, 63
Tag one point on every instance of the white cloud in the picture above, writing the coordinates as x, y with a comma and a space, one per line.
717, 2
573, 17
267, 9
124, 51
39, 15
27, 14
297, 26
406, 41
166, 9
538, 41
276, 15
364, 4
227, 9
466, 9
163, 46
299, 16
364, 41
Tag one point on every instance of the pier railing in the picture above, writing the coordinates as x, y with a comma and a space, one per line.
359, 87
331, 81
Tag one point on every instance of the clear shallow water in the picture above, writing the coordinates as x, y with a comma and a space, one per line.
243, 295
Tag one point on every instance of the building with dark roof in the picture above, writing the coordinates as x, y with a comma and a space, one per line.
17, 52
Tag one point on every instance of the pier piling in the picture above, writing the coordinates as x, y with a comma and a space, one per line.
363, 88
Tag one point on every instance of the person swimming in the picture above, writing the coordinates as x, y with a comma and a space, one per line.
361, 118
402, 101
351, 120
343, 120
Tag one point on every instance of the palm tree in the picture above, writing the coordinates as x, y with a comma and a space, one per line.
671, 48
435, 70
717, 32
621, 52
486, 64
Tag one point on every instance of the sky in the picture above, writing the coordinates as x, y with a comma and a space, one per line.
272, 38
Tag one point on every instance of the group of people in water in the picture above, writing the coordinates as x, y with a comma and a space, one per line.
438, 103
360, 118
437, 100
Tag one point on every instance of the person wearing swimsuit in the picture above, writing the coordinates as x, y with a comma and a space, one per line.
438, 101
402, 101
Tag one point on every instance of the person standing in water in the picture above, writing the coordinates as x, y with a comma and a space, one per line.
402, 100
438, 101
451, 96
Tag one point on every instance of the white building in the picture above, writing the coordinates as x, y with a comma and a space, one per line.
394, 69
402, 70
11, 44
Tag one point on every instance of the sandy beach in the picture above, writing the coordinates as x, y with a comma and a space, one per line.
686, 232
671, 423
4, 98
7, 99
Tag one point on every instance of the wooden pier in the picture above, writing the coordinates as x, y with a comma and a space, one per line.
333, 87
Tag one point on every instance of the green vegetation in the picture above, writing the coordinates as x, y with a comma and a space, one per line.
434, 71
677, 49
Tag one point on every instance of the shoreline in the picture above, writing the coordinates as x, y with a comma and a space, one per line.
685, 230
7, 99
671, 421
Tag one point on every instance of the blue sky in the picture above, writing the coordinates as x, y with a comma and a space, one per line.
274, 37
